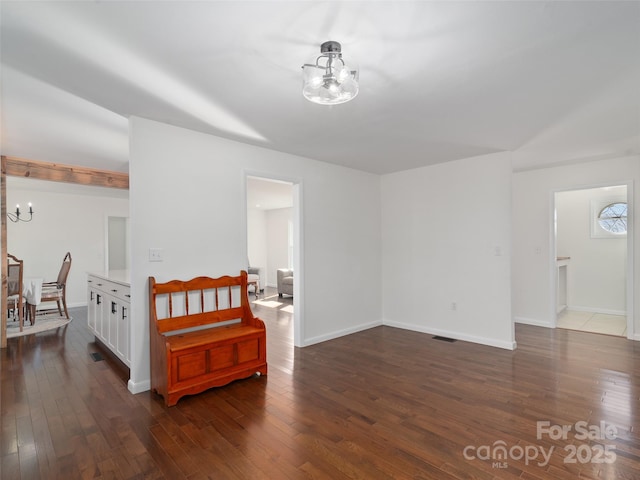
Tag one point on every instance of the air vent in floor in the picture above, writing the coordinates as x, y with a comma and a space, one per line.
97, 356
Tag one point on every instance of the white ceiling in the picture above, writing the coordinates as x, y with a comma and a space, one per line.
550, 81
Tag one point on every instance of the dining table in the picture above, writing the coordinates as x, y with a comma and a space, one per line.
32, 293
32, 289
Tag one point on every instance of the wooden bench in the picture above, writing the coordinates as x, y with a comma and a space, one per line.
203, 335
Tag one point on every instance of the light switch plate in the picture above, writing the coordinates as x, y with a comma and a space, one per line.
156, 255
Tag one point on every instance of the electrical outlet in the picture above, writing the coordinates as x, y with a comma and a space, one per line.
454, 306
155, 255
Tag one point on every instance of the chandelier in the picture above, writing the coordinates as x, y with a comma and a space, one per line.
15, 217
328, 80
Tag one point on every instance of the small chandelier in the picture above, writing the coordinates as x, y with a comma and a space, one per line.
328, 80
15, 217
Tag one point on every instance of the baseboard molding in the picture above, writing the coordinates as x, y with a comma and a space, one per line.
340, 333
597, 310
139, 387
51, 305
490, 342
532, 321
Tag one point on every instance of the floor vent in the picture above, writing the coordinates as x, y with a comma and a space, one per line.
444, 339
97, 356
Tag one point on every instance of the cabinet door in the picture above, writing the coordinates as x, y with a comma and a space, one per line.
112, 308
102, 319
122, 347
91, 309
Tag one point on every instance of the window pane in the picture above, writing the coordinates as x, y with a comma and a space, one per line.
613, 218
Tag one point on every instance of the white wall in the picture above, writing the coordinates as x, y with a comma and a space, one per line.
68, 219
533, 258
596, 271
277, 242
446, 239
188, 198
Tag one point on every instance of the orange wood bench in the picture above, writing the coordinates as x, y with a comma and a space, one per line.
203, 335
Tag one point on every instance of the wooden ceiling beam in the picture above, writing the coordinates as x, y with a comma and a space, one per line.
55, 172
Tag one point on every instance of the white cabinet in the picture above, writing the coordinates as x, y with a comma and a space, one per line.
91, 305
122, 345
109, 303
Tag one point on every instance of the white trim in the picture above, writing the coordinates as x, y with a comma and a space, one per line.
106, 242
553, 262
630, 262
491, 342
50, 305
341, 333
138, 387
630, 251
533, 321
298, 243
605, 311
298, 265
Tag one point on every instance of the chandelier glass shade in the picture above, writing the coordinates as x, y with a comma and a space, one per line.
327, 80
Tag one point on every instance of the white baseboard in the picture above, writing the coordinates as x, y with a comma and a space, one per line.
491, 342
533, 321
597, 310
50, 305
340, 333
139, 387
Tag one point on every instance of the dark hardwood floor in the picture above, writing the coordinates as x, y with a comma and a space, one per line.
381, 404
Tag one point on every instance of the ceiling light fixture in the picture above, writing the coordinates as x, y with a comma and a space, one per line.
328, 80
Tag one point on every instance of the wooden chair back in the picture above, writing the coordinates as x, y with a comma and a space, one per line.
57, 291
15, 270
14, 275
64, 271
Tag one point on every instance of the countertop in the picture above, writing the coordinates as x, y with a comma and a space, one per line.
122, 277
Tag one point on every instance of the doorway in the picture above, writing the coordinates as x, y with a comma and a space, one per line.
593, 250
273, 245
117, 244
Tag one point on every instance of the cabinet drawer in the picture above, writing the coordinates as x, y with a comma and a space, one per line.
120, 292
117, 290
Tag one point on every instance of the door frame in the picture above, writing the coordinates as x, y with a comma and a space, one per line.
630, 304
298, 244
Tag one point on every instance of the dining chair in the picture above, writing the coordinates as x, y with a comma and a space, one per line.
57, 291
15, 269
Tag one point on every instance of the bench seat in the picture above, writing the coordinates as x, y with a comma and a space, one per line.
183, 341
186, 363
